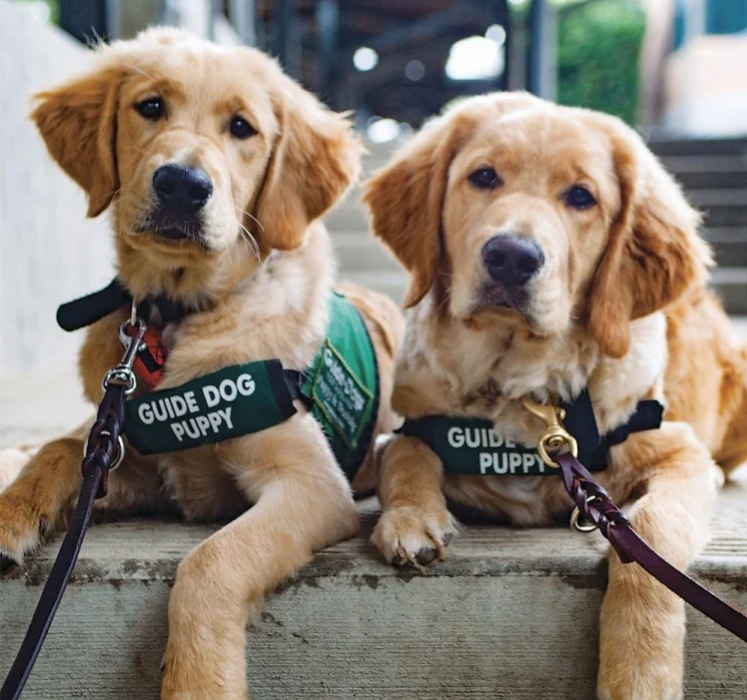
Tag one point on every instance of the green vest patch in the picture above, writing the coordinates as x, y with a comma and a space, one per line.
340, 388
342, 385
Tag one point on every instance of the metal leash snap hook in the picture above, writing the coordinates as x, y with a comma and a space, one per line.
555, 436
123, 372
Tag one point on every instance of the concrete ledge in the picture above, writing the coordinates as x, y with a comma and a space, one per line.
511, 615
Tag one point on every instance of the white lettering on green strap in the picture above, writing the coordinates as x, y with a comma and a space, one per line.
231, 402
473, 446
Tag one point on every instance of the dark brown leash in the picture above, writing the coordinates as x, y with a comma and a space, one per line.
104, 451
594, 504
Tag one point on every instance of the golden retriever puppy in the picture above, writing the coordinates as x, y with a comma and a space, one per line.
551, 255
216, 168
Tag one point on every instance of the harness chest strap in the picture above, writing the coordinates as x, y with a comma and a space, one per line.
472, 446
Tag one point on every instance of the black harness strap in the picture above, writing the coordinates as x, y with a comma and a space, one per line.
90, 308
593, 447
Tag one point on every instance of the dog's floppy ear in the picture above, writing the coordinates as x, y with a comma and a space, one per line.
315, 159
78, 123
654, 252
406, 198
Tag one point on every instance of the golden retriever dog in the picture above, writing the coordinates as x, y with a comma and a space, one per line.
550, 253
216, 169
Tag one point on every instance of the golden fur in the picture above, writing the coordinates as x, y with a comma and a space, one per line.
619, 307
260, 277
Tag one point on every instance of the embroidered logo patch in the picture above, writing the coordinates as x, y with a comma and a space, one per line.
341, 396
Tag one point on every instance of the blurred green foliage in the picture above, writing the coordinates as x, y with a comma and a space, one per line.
47, 10
599, 48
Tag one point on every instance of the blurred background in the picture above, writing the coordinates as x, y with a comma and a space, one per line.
676, 69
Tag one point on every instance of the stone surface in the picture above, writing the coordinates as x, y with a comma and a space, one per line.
511, 614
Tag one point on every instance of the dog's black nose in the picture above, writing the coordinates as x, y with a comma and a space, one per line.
512, 260
181, 189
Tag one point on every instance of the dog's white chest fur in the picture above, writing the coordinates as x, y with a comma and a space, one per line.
485, 374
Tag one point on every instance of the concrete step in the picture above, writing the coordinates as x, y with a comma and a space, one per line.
352, 215
390, 282
713, 198
511, 615
730, 283
699, 179
698, 147
722, 207
729, 245
359, 251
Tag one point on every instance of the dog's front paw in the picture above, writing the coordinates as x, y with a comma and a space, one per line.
415, 536
22, 528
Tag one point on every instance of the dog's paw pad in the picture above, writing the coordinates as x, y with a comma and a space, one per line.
426, 555
408, 536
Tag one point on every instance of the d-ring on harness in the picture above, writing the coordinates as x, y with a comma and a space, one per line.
594, 504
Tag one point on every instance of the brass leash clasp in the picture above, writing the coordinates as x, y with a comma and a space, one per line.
555, 436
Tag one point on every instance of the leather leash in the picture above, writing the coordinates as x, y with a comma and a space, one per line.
104, 452
595, 505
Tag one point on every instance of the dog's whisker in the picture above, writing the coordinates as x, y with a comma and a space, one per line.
252, 217
139, 70
251, 240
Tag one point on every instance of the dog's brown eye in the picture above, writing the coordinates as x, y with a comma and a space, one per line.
579, 198
152, 108
241, 128
485, 179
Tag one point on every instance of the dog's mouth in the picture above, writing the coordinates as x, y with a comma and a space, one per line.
496, 295
173, 231
496, 301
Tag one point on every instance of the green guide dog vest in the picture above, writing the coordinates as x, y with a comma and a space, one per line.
341, 389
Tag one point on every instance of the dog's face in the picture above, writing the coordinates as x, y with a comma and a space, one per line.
195, 130
527, 211
513, 210
198, 146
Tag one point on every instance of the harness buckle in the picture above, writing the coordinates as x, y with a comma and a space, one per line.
555, 436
